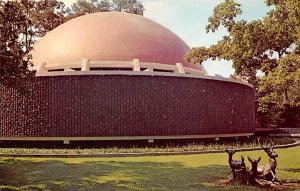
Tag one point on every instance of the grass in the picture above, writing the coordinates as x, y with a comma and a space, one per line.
184, 172
144, 148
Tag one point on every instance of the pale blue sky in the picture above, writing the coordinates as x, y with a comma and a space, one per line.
188, 18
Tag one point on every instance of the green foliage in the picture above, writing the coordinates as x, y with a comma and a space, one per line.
128, 6
281, 89
47, 15
224, 14
259, 45
197, 55
82, 7
16, 40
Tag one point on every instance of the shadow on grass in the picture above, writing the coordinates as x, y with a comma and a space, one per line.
292, 169
58, 175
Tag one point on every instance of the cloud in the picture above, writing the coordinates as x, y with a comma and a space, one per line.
68, 3
221, 67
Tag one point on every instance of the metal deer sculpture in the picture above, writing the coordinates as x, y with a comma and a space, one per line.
268, 172
252, 173
237, 166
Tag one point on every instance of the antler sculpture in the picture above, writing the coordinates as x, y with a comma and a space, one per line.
267, 172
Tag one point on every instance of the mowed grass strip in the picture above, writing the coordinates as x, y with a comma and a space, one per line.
184, 172
142, 148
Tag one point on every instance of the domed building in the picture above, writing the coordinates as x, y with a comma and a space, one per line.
119, 76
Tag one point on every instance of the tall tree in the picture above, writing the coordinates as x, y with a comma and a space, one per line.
21, 22
16, 36
266, 45
280, 86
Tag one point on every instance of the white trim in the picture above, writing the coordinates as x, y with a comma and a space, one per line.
135, 65
67, 139
143, 73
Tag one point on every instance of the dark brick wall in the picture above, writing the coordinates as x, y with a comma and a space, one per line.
121, 105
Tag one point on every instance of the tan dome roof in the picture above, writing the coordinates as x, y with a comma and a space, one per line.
111, 36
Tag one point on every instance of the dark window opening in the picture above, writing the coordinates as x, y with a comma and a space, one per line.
56, 70
76, 69
110, 69
160, 70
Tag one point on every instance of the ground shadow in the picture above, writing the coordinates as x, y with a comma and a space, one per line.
57, 175
292, 169
112, 175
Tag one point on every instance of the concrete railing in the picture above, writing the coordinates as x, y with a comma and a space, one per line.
135, 65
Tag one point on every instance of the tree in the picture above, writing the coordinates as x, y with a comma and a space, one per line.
224, 14
281, 87
259, 45
128, 6
82, 7
47, 15
21, 22
294, 7
16, 40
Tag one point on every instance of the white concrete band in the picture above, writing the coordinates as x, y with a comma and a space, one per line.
67, 139
135, 65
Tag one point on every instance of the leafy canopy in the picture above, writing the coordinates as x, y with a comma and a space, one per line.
21, 22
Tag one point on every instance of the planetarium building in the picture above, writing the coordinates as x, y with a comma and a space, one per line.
119, 76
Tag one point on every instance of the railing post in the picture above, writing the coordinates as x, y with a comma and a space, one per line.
136, 65
179, 68
41, 68
85, 65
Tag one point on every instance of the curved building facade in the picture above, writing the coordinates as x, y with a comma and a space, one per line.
116, 76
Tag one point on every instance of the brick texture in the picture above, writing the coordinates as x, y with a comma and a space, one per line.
121, 105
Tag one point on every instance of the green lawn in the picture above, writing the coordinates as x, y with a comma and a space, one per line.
185, 172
